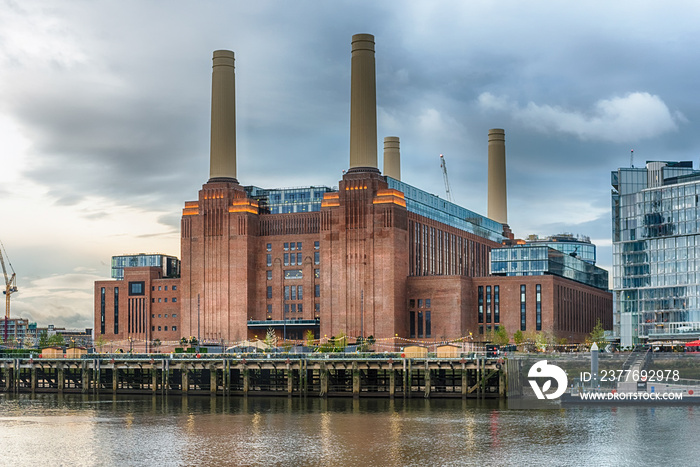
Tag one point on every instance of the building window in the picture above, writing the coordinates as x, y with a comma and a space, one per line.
159, 328
174, 328
286, 247
174, 316
269, 275
300, 292
269, 259
293, 274
269, 291
116, 310
294, 307
298, 245
137, 288
292, 246
174, 287
522, 308
166, 288
412, 324
174, 299
412, 303
294, 292
102, 310
481, 329
286, 310
317, 257
427, 303
269, 311
317, 290
159, 300
317, 245
286, 292
317, 273
286, 259
166, 328
488, 303
269, 247
299, 307
420, 324
165, 299
496, 306
538, 307
481, 304
299, 257
317, 308
153, 328
159, 288
420, 303
428, 326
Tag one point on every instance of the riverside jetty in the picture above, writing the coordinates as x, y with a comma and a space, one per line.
320, 375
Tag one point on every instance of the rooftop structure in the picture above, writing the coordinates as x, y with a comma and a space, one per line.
170, 265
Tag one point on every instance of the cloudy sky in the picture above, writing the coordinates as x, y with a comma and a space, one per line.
104, 114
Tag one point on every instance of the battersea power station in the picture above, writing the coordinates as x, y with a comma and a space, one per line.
374, 257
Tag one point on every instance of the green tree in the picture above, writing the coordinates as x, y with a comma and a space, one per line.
500, 336
310, 338
56, 340
271, 338
100, 342
44, 340
156, 343
518, 337
597, 334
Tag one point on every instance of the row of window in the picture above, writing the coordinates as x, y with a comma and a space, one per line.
293, 259
166, 315
291, 246
294, 292
489, 304
421, 302
416, 322
164, 300
153, 288
173, 328
293, 308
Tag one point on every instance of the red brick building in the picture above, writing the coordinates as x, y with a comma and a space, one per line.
376, 258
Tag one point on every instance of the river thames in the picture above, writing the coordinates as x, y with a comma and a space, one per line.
80, 430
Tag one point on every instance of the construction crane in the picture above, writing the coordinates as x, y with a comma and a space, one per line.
444, 176
10, 288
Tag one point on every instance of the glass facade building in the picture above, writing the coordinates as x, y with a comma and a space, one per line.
288, 200
169, 264
656, 252
578, 246
537, 260
438, 209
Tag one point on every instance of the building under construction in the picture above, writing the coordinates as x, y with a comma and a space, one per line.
375, 257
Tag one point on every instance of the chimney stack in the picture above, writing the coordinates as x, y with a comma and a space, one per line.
392, 157
363, 106
222, 162
497, 200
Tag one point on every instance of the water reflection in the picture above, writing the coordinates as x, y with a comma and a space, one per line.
179, 431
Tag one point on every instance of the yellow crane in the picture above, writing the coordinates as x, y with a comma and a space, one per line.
10, 288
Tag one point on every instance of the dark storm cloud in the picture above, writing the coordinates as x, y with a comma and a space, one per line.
126, 116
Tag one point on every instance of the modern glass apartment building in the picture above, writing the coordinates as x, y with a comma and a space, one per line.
537, 260
578, 246
656, 252
169, 264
